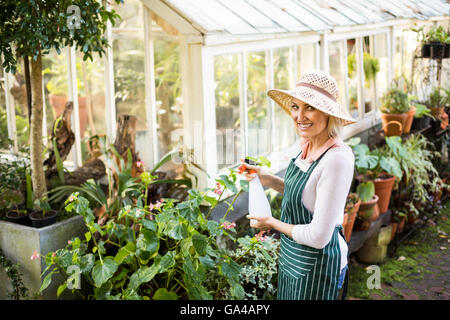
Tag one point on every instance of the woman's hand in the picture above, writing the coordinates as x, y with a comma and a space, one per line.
264, 177
263, 223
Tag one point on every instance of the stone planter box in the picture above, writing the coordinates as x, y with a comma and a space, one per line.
18, 243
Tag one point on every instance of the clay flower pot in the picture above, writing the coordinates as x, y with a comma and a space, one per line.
349, 220
393, 124
368, 209
394, 226
409, 119
401, 225
383, 189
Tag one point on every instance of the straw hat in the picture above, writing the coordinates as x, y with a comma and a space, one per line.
318, 89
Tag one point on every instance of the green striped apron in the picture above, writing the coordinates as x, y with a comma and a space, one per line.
305, 273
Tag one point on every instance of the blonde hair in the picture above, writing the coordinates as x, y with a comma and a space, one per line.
335, 126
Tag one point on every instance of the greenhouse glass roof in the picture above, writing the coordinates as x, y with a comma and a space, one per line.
239, 17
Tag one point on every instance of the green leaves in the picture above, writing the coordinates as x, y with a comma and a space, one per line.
366, 191
143, 275
178, 231
103, 272
163, 294
148, 241
124, 252
200, 242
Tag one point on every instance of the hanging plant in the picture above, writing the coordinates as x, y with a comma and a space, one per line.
371, 67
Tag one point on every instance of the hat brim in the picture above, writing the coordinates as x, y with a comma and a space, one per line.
310, 96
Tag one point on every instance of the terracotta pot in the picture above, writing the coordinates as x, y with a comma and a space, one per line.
368, 209
58, 102
394, 226
409, 119
393, 124
436, 111
383, 189
345, 219
401, 225
351, 217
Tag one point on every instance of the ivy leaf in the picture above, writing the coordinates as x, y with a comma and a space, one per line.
150, 224
228, 183
61, 289
200, 242
103, 272
167, 261
86, 263
178, 232
46, 282
143, 275
163, 294
148, 241
124, 252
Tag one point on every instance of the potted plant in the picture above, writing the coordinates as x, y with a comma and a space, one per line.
422, 117
43, 216
380, 167
351, 210
436, 102
434, 43
12, 199
394, 111
399, 216
369, 200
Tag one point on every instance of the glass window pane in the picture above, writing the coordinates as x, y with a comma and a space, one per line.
257, 104
169, 104
306, 59
129, 81
371, 68
227, 105
56, 87
381, 53
283, 67
91, 100
336, 54
352, 62
398, 69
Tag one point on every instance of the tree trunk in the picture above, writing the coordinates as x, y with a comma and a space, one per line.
28, 87
36, 145
126, 139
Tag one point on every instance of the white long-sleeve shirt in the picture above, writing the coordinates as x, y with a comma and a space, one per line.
324, 196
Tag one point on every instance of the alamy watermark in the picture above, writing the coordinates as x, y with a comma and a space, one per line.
74, 17
374, 280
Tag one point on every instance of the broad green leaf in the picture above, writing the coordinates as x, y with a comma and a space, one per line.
230, 270
103, 272
143, 275
61, 289
124, 252
365, 191
167, 261
130, 294
198, 292
163, 294
150, 224
46, 282
391, 166
103, 293
207, 261
86, 263
148, 241
236, 290
244, 185
228, 183
200, 242
178, 231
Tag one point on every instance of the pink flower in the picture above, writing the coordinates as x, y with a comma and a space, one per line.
71, 198
218, 190
151, 206
69, 241
158, 204
226, 225
139, 213
140, 164
260, 237
35, 255
53, 254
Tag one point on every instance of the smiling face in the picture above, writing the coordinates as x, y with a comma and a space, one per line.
310, 122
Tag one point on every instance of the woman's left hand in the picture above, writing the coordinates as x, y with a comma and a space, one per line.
263, 223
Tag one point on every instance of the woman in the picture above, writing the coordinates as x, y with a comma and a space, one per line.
313, 250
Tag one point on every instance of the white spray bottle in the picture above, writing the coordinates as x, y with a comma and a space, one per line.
258, 205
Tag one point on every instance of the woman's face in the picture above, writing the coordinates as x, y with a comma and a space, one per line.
310, 122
